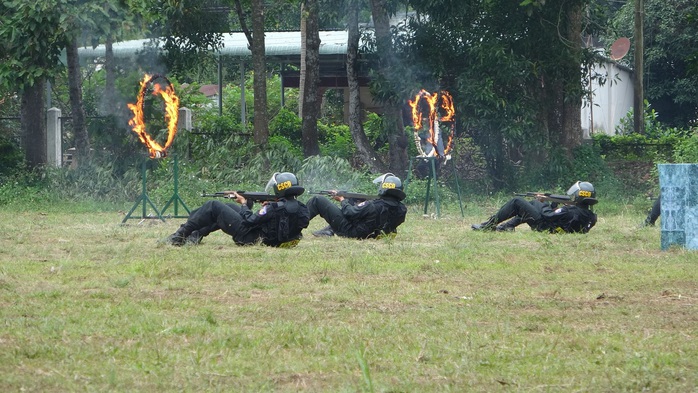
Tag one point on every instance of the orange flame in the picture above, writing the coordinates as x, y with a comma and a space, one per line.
171, 115
432, 101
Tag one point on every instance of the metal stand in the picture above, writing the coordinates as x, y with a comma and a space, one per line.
175, 200
143, 199
437, 202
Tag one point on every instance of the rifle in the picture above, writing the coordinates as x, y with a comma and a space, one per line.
345, 194
251, 196
547, 197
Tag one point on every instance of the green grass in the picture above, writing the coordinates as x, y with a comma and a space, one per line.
87, 304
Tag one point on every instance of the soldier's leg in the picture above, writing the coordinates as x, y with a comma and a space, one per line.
654, 212
329, 211
509, 225
516, 207
211, 216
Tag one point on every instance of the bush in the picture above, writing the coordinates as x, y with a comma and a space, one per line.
686, 150
336, 140
11, 159
287, 125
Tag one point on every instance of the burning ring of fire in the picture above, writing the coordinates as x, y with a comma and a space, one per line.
432, 103
171, 115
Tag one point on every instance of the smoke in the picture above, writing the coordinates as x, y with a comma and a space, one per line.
331, 173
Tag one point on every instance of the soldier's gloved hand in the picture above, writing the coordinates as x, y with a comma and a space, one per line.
239, 198
335, 196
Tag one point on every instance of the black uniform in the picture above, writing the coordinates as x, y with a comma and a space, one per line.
542, 216
654, 212
274, 224
367, 219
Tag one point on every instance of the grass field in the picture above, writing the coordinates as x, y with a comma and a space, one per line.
88, 304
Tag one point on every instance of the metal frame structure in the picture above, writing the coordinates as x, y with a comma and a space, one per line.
432, 176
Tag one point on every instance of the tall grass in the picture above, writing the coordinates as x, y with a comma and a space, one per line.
88, 304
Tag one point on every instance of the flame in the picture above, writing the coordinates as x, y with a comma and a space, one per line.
171, 115
433, 103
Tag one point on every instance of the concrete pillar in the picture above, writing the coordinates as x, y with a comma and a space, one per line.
184, 119
54, 138
678, 185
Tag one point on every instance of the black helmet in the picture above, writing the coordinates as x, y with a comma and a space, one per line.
582, 193
389, 185
284, 184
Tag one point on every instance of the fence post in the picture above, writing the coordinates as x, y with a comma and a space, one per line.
184, 121
54, 138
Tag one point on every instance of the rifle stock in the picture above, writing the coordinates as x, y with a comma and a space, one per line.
345, 194
547, 197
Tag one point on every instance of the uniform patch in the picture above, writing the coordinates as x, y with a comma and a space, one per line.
262, 211
362, 203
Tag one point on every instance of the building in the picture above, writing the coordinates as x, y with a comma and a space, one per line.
612, 97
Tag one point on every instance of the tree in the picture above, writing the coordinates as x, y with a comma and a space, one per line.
191, 30
514, 69
310, 77
90, 21
388, 82
255, 39
366, 153
82, 141
32, 37
671, 57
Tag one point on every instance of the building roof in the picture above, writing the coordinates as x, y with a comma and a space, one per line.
278, 45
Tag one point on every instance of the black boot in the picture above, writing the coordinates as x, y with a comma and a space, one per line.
324, 232
488, 225
194, 238
505, 228
178, 238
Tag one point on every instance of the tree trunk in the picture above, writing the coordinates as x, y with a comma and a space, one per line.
311, 87
259, 65
572, 101
33, 122
639, 93
301, 81
82, 142
392, 119
108, 102
363, 147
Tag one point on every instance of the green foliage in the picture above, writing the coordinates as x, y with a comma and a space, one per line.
279, 142
218, 126
11, 158
654, 128
635, 147
671, 44
192, 33
32, 35
373, 127
657, 144
288, 125
686, 150
507, 88
23, 187
336, 141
